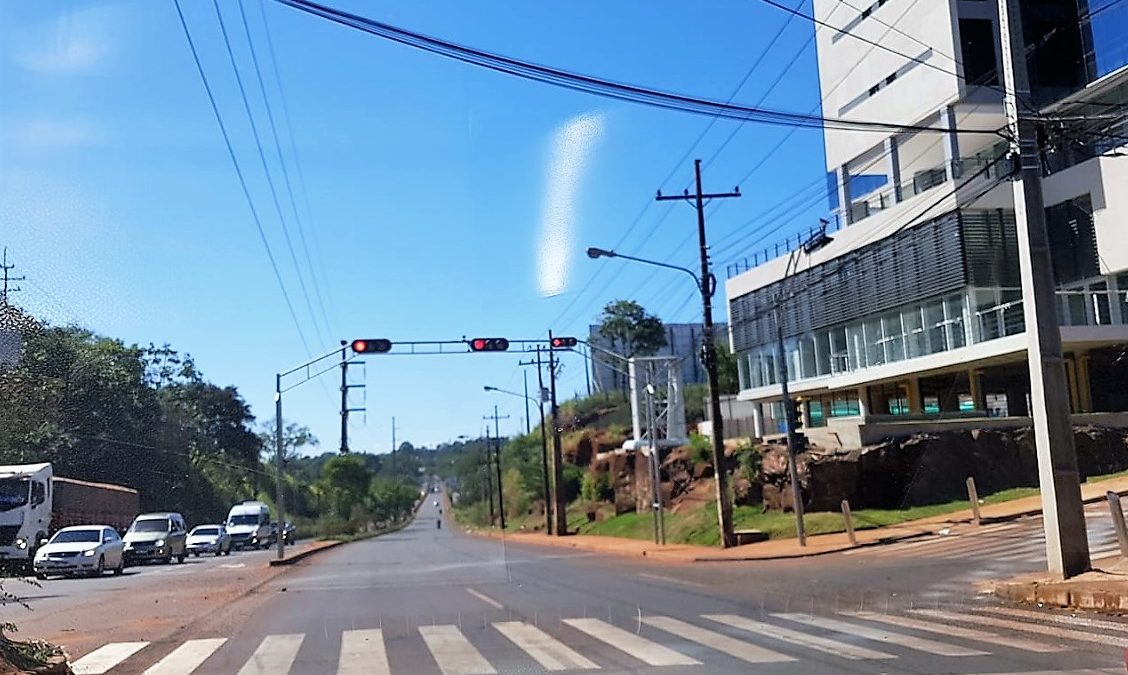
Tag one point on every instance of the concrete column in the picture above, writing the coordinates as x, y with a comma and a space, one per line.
863, 401
951, 142
843, 176
805, 413
757, 420
915, 403
1084, 384
893, 166
979, 399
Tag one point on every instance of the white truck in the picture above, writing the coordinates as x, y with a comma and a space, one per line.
248, 523
34, 503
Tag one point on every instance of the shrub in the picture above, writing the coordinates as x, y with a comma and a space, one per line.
700, 448
596, 487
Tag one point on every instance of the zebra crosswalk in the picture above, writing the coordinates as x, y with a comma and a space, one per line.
790, 642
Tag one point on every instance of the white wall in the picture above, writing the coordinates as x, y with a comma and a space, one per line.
858, 66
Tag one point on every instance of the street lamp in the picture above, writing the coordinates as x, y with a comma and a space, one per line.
544, 450
707, 285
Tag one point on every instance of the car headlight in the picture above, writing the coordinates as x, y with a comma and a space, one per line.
159, 543
89, 553
21, 543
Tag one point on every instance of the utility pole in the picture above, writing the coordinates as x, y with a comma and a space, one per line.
497, 460
489, 478
528, 423
345, 386
708, 286
587, 369
560, 509
279, 463
6, 289
1067, 544
544, 442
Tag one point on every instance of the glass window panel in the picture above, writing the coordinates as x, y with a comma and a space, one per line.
769, 362
1102, 307
931, 405
967, 404
742, 370
988, 314
856, 347
894, 337
957, 330
807, 365
1013, 320
875, 348
1122, 296
1075, 309
916, 342
822, 352
934, 325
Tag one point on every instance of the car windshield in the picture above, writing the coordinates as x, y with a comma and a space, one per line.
13, 493
205, 532
76, 536
151, 525
243, 520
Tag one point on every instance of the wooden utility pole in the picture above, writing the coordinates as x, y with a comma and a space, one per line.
497, 460
707, 284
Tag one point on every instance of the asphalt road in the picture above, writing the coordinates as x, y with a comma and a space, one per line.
428, 600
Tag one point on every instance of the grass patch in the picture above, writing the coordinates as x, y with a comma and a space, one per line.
1108, 476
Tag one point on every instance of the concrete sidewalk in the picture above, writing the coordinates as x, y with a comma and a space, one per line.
782, 549
1100, 590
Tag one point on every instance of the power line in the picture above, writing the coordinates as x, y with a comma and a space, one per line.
593, 85
242, 178
301, 176
266, 168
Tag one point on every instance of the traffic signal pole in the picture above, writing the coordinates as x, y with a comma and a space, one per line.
560, 509
497, 460
1067, 544
344, 398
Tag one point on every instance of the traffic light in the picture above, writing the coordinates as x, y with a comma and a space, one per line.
564, 342
371, 346
489, 344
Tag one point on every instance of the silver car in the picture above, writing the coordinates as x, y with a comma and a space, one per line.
85, 549
209, 539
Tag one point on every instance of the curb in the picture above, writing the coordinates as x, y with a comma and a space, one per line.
1057, 595
302, 555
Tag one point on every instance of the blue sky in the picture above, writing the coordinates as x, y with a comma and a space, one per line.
430, 186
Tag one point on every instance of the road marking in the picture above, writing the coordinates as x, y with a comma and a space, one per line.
1049, 631
485, 598
650, 653
882, 635
186, 658
232, 566
672, 580
453, 652
1066, 620
547, 650
821, 644
737, 648
960, 632
274, 655
105, 657
363, 653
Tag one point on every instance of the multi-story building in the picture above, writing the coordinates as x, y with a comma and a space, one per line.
683, 340
911, 317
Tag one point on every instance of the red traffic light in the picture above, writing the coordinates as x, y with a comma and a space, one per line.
371, 346
489, 344
564, 342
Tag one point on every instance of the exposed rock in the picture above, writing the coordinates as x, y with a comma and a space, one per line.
929, 468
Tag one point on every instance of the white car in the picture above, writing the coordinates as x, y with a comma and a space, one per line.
85, 549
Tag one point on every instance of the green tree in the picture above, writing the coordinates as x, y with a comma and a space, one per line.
347, 479
515, 494
728, 378
294, 437
631, 331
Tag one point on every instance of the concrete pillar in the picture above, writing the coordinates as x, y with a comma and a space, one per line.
863, 402
951, 142
805, 413
893, 166
1084, 384
843, 176
757, 420
978, 397
913, 394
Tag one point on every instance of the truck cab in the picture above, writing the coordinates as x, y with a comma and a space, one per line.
248, 523
25, 511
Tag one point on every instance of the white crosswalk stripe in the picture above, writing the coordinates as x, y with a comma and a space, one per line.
650, 653
363, 653
832, 647
547, 650
1048, 631
274, 656
1085, 621
722, 643
453, 652
105, 657
977, 635
882, 635
186, 658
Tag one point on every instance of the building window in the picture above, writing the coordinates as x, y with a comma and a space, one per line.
1073, 244
1122, 296
845, 404
977, 47
1102, 308
931, 405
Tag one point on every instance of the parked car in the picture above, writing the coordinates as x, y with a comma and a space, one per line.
83, 549
209, 539
156, 536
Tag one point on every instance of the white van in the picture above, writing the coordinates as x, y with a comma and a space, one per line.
248, 523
